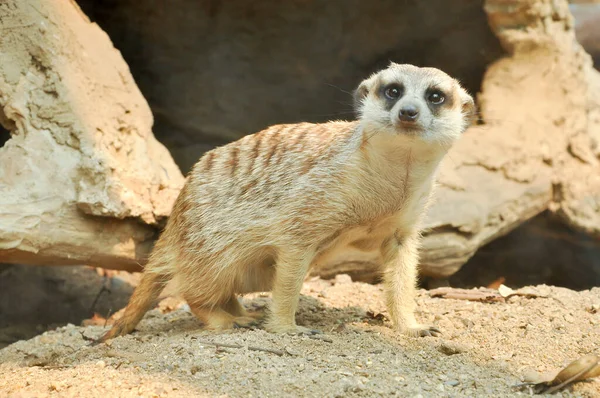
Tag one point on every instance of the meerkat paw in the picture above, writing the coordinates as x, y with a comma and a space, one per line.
245, 322
120, 328
233, 322
257, 315
422, 331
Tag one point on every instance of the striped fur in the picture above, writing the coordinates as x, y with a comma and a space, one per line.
255, 214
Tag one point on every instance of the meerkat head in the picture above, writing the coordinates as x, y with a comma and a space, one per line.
422, 103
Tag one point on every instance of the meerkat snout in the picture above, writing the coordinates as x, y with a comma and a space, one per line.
409, 113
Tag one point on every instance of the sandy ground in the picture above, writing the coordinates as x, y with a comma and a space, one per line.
485, 349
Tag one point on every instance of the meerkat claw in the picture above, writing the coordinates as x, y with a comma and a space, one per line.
245, 322
435, 329
423, 331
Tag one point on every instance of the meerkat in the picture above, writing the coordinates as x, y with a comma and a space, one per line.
256, 214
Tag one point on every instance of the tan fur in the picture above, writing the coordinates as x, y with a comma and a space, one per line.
255, 214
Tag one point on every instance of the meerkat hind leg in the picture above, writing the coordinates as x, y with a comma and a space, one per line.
243, 317
220, 318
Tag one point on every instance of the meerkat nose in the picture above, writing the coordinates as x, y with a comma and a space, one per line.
409, 113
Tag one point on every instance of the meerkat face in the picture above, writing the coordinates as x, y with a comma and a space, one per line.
422, 103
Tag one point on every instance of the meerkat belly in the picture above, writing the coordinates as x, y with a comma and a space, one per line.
357, 244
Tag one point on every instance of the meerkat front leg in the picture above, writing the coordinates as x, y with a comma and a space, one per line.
400, 280
291, 269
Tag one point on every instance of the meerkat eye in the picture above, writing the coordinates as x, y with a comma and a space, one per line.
393, 92
436, 97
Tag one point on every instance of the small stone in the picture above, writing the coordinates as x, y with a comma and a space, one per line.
451, 348
569, 319
101, 364
467, 322
452, 383
532, 376
292, 352
343, 279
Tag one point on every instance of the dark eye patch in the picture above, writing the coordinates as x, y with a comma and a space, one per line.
437, 99
392, 93
435, 96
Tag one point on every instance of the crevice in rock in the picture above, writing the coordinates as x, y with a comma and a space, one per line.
34, 299
5, 134
587, 17
541, 251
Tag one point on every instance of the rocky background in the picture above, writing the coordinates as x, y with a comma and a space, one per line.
105, 105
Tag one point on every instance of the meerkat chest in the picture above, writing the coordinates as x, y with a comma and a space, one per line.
360, 243
366, 242
387, 205
394, 194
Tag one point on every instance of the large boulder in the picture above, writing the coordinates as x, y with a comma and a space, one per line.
82, 178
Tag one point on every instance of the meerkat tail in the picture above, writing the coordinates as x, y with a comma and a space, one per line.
144, 297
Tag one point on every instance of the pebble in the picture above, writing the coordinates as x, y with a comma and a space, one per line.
343, 279
451, 348
532, 376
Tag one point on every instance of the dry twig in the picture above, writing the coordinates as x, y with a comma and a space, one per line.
251, 348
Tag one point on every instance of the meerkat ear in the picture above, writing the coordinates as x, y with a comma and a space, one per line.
468, 107
363, 90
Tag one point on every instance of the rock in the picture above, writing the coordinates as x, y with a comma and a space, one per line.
342, 279
452, 348
82, 178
